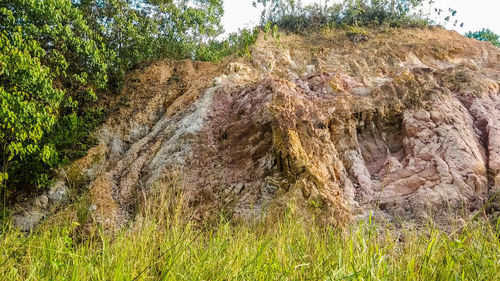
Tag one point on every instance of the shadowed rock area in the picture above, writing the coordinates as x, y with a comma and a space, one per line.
405, 124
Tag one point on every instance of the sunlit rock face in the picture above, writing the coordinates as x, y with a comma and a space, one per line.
405, 125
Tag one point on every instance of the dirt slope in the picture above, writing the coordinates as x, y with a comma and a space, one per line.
405, 124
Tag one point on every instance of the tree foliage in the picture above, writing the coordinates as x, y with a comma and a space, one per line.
141, 30
74, 53
51, 60
485, 35
29, 101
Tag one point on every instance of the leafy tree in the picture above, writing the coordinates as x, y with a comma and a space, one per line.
141, 30
74, 53
485, 35
52, 63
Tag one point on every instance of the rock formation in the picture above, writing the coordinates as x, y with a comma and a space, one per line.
405, 124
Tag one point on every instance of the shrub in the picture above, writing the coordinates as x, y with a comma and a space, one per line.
357, 34
377, 12
238, 43
485, 35
289, 15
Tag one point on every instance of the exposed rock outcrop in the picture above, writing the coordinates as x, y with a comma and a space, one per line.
406, 123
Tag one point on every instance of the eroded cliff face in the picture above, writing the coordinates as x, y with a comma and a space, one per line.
405, 124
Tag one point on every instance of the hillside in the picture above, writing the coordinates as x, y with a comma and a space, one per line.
338, 154
404, 124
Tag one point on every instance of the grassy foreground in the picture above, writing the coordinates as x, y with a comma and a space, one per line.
288, 250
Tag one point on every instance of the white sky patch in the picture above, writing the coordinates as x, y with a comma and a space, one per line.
475, 14
239, 14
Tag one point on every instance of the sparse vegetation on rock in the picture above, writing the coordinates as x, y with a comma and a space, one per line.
290, 15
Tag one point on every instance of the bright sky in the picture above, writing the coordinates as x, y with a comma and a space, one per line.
475, 14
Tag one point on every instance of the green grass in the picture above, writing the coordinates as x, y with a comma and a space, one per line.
292, 249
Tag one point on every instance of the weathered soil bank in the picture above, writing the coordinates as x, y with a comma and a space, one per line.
406, 124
